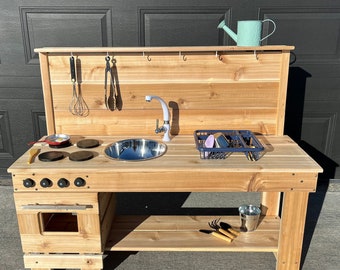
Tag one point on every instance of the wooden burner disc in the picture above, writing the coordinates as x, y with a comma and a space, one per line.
88, 143
51, 156
81, 155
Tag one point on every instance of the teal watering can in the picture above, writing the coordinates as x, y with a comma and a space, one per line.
248, 32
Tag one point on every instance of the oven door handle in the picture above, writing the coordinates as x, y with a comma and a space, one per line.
64, 207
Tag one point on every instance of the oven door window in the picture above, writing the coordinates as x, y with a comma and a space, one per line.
58, 222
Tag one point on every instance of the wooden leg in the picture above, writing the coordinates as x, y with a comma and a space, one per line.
293, 220
270, 204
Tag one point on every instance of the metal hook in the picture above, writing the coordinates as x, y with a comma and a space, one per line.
184, 58
147, 57
218, 56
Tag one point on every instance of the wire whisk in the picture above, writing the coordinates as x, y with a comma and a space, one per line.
77, 105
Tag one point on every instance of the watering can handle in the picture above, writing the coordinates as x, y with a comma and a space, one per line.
269, 20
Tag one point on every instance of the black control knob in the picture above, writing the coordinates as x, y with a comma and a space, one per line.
28, 182
62, 183
79, 182
45, 183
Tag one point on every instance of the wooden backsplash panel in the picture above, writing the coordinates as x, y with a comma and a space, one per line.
233, 89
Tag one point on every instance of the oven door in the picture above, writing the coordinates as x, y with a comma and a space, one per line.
61, 223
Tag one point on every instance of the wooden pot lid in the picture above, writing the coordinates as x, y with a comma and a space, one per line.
51, 156
81, 155
88, 143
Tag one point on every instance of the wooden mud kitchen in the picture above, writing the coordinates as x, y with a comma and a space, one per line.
65, 197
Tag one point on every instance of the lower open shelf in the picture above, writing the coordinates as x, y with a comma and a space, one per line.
182, 233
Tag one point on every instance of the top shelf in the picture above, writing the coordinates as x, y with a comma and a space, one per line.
161, 49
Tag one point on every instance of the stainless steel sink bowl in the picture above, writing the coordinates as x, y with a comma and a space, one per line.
135, 150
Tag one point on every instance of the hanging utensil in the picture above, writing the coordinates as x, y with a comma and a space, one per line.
73, 102
111, 98
80, 107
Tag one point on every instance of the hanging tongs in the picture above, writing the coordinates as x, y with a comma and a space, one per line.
111, 98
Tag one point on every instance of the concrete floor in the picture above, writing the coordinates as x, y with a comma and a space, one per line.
320, 252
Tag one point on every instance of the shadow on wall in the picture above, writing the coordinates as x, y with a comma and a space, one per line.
294, 119
295, 102
293, 128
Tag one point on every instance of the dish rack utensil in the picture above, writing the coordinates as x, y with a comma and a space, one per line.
238, 141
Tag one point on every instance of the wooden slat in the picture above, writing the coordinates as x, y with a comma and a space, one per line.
48, 96
60, 243
281, 104
181, 233
232, 67
107, 220
103, 203
270, 203
177, 181
182, 223
24, 199
160, 49
143, 122
59, 261
28, 223
185, 96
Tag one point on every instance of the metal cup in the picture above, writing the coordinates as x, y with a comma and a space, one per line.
249, 215
220, 140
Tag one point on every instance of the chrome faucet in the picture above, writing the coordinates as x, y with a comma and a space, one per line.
166, 124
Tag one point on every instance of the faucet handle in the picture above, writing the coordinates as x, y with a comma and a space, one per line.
158, 129
157, 126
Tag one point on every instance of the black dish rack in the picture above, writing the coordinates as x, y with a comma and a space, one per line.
238, 141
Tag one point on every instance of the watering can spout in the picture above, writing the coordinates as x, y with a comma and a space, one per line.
227, 30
